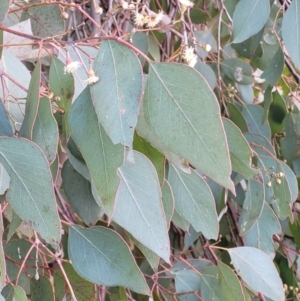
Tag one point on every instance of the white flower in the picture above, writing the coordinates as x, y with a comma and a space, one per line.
92, 77
257, 75
154, 19
140, 19
189, 56
186, 4
207, 48
71, 67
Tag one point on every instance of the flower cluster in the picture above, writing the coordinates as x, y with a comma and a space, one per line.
277, 176
151, 19
189, 56
71, 66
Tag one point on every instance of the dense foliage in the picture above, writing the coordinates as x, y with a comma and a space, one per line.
149, 150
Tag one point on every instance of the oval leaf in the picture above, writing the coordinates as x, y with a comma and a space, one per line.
230, 284
100, 255
290, 31
117, 95
258, 271
31, 192
139, 202
194, 201
240, 152
45, 131
188, 123
102, 157
249, 18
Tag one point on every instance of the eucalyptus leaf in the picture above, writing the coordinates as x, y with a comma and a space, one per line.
139, 202
290, 31
260, 236
102, 157
190, 119
117, 95
101, 256
4, 8
258, 271
240, 152
249, 18
31, 193
194, 201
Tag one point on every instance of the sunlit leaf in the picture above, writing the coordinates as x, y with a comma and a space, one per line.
258, 271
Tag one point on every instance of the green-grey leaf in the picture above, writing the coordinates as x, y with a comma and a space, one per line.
253, 115
117, 95
13, 292
79, 194
158, 160
268, 99
238, 71
278, 194
102, 157
139, 202
249, 18
260, 236
168, 201
188, 123
180, 221
32, 103
290, 31
151, 257
45, 131
288, 143
41, 289
46, 20
101, 256
275, 69
206, 71
144, 131
230, 284
194, 201
292, 181
31, 193
237, 117
240, 152
210, 284
258, 271
253, 205
5, 127
140, 41
4, 8
62, 85
83, 289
